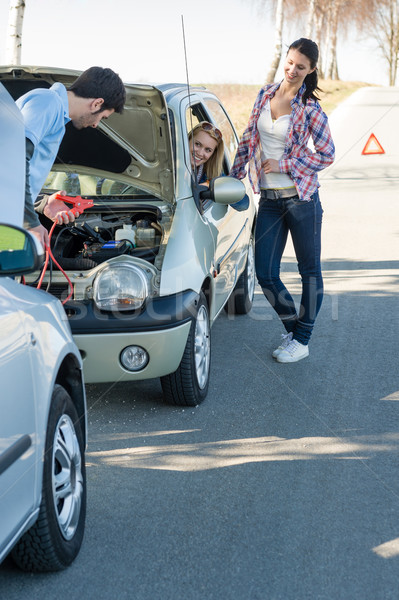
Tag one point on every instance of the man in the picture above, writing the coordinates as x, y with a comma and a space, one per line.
95, 95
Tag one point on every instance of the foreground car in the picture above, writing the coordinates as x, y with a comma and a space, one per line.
42, 429
151, 263
43, 404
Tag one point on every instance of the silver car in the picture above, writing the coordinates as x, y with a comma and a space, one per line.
43, 403
157, 257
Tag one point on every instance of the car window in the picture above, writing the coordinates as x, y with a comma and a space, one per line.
197, 113
193, 117
223, 123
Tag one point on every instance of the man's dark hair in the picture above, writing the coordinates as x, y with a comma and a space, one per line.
97, 82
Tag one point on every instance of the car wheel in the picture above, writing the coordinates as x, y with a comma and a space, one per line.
188, 385
240, 301
56, 537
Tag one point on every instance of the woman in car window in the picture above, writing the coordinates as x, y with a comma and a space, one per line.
207, 151
284, 170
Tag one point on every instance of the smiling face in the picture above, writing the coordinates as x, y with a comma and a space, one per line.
296, 67
203, 146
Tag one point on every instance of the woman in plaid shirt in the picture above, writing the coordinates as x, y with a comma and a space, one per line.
283, 169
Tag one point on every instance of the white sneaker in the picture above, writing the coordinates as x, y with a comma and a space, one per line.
293, 352
285, 340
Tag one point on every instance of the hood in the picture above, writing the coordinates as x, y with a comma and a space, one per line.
135, 145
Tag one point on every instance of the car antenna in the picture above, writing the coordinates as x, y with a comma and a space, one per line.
193, 174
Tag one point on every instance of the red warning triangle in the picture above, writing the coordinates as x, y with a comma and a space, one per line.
373, 146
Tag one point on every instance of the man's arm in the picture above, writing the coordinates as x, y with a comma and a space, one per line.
31, 220
30, 217
48, 205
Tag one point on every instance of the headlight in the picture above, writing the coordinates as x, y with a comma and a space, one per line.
120, 287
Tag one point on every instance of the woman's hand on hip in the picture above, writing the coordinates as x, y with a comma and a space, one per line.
270, 165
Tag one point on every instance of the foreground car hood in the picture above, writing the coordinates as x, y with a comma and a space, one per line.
142, 151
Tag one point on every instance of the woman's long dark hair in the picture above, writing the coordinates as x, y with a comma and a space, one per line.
311, 51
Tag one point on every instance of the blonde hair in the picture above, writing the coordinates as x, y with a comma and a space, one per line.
214, 165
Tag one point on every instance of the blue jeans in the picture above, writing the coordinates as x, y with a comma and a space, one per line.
303, 220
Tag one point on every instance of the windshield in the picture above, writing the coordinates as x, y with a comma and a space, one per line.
82, 184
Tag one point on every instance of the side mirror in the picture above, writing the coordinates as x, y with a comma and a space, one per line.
20, 252
227, 190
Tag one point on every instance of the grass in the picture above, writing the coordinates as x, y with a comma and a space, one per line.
11, 239
239, 99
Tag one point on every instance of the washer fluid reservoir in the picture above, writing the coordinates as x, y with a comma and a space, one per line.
128, 232
145, 234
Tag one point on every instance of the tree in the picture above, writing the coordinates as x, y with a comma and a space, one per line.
331, 68
385, 30
325, 21
310, 18
312, 12
14, 32
278, 39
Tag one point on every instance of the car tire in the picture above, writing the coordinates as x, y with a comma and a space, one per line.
241, 299
55, 539
188, 385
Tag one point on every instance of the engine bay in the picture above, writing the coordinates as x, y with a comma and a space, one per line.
99, 236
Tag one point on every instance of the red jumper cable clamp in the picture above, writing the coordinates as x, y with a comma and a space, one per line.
79, 204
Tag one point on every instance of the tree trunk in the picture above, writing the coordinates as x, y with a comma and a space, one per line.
14, 32
279, 42
311, 17
395, 43
317, 39
331, 68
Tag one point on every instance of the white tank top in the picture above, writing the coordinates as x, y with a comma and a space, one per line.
272, 138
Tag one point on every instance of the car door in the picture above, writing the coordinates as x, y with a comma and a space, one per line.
229, 230
230, 226
17, 423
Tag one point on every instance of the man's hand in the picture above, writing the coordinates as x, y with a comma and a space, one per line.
58, 211
41, 234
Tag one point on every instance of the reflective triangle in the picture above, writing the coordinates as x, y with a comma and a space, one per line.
373, 146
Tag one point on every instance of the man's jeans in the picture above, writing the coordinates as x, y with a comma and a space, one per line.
303, 220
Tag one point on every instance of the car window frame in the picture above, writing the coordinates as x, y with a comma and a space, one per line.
202, 115
228, 155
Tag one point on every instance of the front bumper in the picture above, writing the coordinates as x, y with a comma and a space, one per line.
161, 329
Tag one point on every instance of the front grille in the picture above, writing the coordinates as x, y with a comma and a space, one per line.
58, 290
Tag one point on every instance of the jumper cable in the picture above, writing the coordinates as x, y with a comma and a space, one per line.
79, 205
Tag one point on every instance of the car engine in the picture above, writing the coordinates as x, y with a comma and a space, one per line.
97, 237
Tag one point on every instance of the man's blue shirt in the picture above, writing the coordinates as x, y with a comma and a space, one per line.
45, 113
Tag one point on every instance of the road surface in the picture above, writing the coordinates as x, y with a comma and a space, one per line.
283, 485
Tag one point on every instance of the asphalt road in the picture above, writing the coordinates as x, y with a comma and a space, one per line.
283, 484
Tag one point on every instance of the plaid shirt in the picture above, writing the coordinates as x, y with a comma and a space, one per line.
298, 159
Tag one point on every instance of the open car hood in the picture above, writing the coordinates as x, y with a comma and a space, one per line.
136, 145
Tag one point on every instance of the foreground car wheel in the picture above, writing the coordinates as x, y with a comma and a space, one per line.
240, 301
55, 539
188, 385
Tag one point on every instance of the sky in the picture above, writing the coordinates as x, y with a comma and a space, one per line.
227, 41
